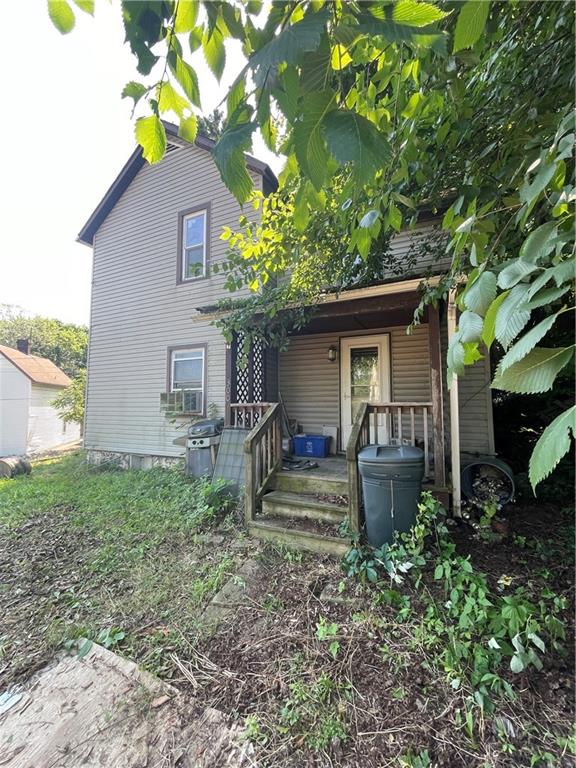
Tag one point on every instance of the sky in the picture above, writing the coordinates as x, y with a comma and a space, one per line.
65, 135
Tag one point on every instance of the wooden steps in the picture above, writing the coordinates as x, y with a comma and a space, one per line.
292, 514
299, 505
310, 482
299, 538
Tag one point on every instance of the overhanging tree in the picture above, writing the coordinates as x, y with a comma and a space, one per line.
466, 105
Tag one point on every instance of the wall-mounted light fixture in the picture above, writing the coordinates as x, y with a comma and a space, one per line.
332, 353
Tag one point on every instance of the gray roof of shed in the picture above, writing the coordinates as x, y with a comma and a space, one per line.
133, 165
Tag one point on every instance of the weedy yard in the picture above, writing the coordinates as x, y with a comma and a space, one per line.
448, 649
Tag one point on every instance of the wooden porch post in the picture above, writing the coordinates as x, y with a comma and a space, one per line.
228, 386
454, 416
437, 395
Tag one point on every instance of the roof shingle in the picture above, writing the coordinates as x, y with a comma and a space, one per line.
38, 369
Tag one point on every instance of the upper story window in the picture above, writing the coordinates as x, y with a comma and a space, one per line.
193, 244
187, 373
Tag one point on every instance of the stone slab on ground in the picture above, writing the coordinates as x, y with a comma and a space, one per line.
103, 710
238, 591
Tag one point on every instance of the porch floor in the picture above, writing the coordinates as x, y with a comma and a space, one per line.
330, 467
335, 468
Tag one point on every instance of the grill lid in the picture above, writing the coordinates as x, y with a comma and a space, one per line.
206, 428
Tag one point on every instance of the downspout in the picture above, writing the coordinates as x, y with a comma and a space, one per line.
452, 320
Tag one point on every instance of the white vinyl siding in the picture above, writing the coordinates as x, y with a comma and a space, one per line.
29, 423
14, 406
310, 388
309, 382
140, 310
46, 428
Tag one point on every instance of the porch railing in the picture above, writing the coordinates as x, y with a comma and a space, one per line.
247, 415
384, 423
263, 449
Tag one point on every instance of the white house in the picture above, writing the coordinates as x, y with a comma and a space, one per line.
28, 421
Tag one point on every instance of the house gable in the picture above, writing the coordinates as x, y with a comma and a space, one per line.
140, 308
136, 161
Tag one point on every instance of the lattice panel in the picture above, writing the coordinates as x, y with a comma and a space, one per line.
242, 375
251, 379
258, 372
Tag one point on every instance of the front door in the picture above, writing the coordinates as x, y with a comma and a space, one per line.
364, 376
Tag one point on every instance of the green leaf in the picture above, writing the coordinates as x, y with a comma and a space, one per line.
134, 90
309, 141
536, 371
529, 192
489, 330
553, 445
188, 128
315, 71
169, 100
526, 343
537, 640
85, 5
186, 77
151, 136
394, 217
564, 271
287, 92
61, 15
353, 139
287, 47
516, 663
340, 57
392, 32
470, 24
540, 242
510, 320
195, 39
470, 326
416, 14
546, 297
186, 15
301, 210
214, 51
515, 271
481, 293
229, 157
84, 647
471, 353
369, 218
455, 358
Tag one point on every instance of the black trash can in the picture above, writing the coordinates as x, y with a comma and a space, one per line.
391, 485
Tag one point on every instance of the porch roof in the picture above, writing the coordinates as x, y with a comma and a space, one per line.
338, 297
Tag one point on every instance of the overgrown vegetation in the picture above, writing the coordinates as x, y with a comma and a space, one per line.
116, 552
399, 666
471, 627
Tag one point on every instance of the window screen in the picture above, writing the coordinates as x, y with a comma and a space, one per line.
187, 373
194, 245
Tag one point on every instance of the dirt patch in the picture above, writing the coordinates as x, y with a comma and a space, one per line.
374, 697
43, 576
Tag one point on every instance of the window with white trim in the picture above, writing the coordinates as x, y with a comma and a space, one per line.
187, 374
194, 245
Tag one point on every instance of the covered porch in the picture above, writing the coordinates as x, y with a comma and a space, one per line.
353, 370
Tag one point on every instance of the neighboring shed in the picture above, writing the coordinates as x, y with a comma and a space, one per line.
28, 421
